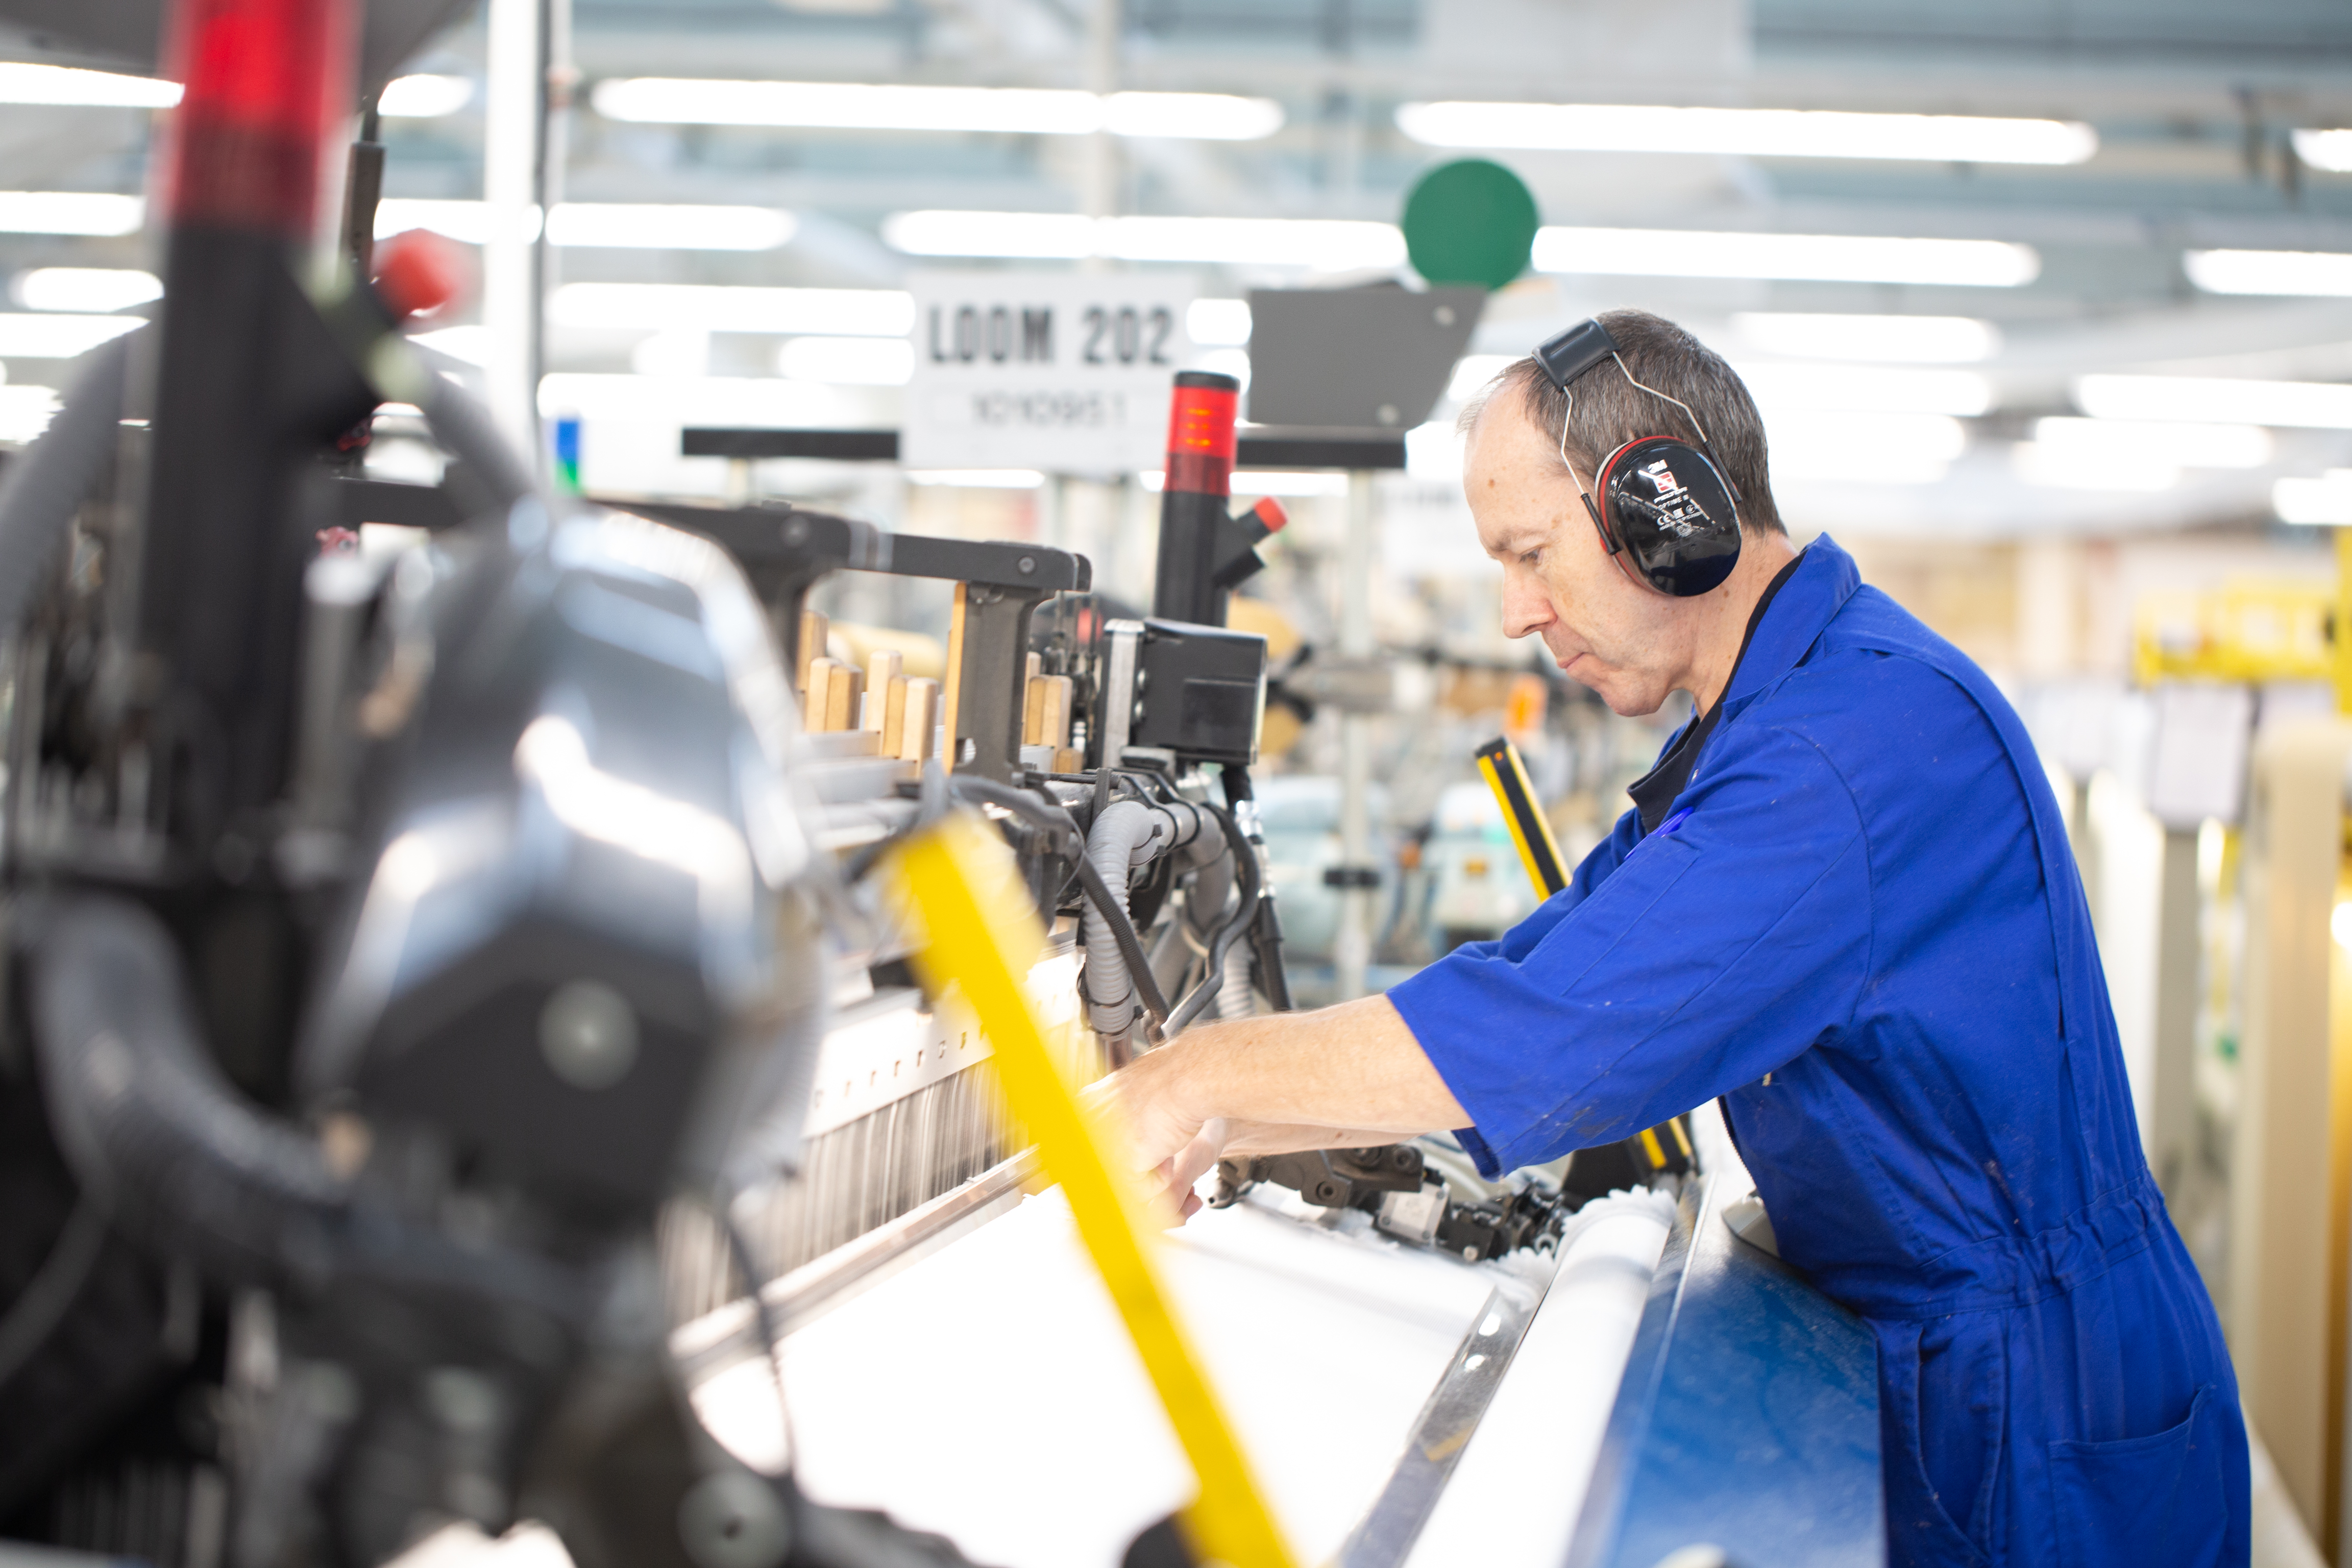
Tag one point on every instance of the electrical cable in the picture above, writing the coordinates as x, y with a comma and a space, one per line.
41, 1305
1244, 913
1055, 817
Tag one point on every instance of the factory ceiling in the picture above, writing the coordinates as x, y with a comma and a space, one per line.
2184, 119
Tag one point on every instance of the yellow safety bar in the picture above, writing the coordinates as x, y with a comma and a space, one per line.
1506, 775
979, 934
2343, 623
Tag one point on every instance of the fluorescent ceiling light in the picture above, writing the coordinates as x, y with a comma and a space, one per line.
2060, 467
86, 287
1263, 482
1218, 323
1829, 258
1275, 482
1921, 340
718, 308
849, 106
2325, 500
2328, 150
423, 97
25, 411
21, 83
673, 401
622, 224
71, 211
848, 361
1192, 116
1473, 371
2166, 443
2269, 271
1030, 235
978, 478
1747, 132
1321, 245
653, 227
2211, 400
1864, 389
1864, 449
58, 336
867, 106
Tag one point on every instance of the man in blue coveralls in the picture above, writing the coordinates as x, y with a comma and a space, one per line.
1845, 904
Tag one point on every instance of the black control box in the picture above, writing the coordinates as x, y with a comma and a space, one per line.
1199, 692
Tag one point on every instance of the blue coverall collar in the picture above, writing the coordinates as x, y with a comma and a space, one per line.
1824, 580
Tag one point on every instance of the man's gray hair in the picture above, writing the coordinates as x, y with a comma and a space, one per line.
1610, 411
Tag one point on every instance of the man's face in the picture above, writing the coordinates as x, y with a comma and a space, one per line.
1626, 641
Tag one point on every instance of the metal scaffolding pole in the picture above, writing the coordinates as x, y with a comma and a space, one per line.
1351, 954
514, 134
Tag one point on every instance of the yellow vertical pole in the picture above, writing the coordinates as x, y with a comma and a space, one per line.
979, 934
2342, 651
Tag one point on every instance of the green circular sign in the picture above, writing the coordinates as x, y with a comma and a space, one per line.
1471, 221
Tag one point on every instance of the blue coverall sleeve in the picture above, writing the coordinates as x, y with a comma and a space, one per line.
1709, 957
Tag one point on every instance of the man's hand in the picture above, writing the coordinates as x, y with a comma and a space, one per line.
1344, 1077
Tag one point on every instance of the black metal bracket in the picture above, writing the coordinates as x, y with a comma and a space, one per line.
782, 549
1271, 446
1352, 877
785, 550
1003, 585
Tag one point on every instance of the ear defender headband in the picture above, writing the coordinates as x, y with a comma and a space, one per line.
1665, 509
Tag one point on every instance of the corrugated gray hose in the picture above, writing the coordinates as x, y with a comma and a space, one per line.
148, 1124
1127, 836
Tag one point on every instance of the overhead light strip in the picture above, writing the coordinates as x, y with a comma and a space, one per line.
2309, 272
2214, 400
98, 212
878, 106
1321, 245
708, 306
1823, 257
1747, 133
66, 86
631, 226
2327, 149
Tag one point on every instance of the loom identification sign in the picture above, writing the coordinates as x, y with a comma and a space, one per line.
1065, 372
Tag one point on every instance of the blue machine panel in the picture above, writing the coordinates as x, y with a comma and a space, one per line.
1747, 1419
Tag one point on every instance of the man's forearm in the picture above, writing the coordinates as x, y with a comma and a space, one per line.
1353, 1069
1246, 1138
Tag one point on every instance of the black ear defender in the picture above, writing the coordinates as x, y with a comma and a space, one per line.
1665, 508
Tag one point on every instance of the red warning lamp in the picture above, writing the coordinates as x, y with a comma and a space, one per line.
266, 83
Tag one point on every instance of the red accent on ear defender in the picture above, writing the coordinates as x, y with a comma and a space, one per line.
1601, 479
1601, 483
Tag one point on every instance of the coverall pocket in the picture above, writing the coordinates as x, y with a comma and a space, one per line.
2143, 1502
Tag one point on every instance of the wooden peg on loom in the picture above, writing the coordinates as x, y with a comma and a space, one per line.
920, 715
894, 715
841, 696
816, 697
816, 629
881, 669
